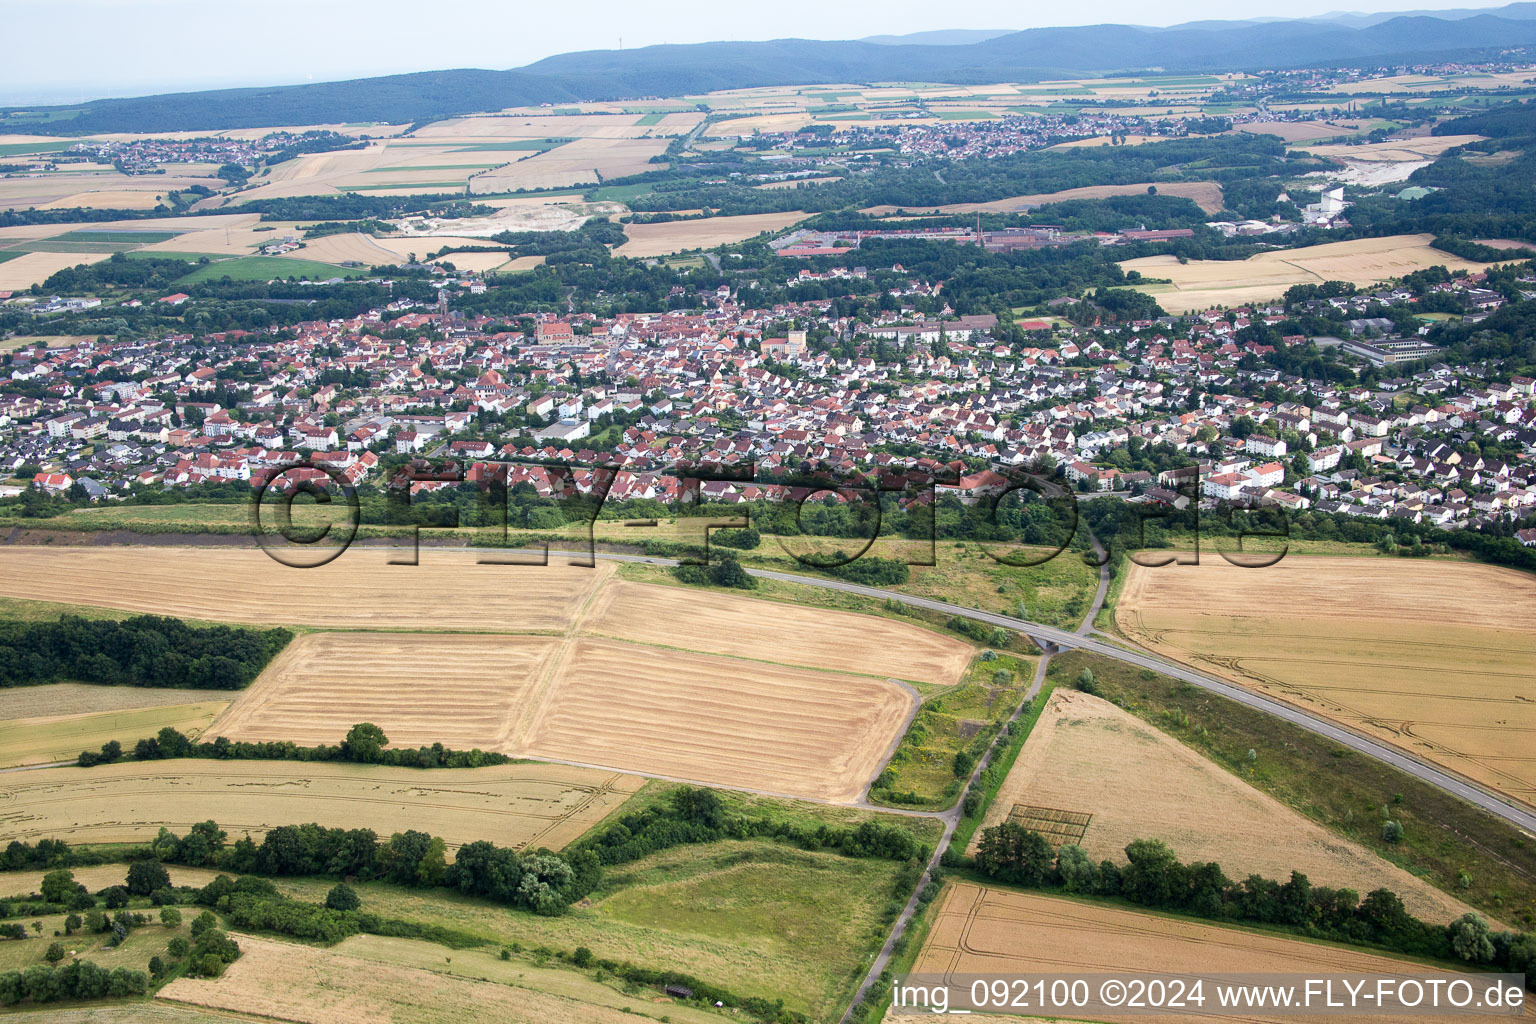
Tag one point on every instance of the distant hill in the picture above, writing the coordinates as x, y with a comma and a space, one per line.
942, 37
676, 70
1515, 12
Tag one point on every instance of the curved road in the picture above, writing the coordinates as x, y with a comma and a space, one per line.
1063, 639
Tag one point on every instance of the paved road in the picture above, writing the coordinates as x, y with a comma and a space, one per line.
1121, 651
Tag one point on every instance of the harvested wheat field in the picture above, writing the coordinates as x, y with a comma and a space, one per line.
745, 627
449, 590
1085, 755
288, 982
1303, 131
1202, 284
36, 267
461, 690
45, 739
694, 716
700, 691
1206, 195
88, 698
675, 236
997, 933
521, 805
582, 162
1433, 656
353, 246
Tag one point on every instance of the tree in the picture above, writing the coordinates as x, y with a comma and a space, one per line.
365, 743
55, 952
170, 917
145, 876
204, 922
177, 947
72, 924
1078, 873
1087, 682
1013, 853
58, 886
114, 897
156, 967
727, 572
1392, 831
1471, 938
342, 897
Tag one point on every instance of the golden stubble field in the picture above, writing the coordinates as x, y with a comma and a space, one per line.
1202, 284
1087, 755
1433, 656
996, 933
675, 236
520, 805
449, 590
559, 662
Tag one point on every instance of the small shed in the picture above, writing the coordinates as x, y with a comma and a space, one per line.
678, 991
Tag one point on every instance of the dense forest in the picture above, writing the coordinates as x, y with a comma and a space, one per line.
146, 650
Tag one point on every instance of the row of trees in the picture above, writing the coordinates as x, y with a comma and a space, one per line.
539, 881
1155, 877
365, 743
146, 650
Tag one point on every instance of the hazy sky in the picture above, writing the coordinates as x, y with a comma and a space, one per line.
68, 50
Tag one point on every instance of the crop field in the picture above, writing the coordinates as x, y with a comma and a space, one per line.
675, 236
995, 932
1303, 131
746, 628
87, 698
698, 689
324, 683
43, 739
1206, 194
36, 267
696, 716
449, 590
1089, 758
512, 805
71, 188
352, 246
1201, 284
583, 162
1433, 656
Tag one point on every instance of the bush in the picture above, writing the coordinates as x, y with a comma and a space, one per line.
745, 539
342, 897
170, 917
